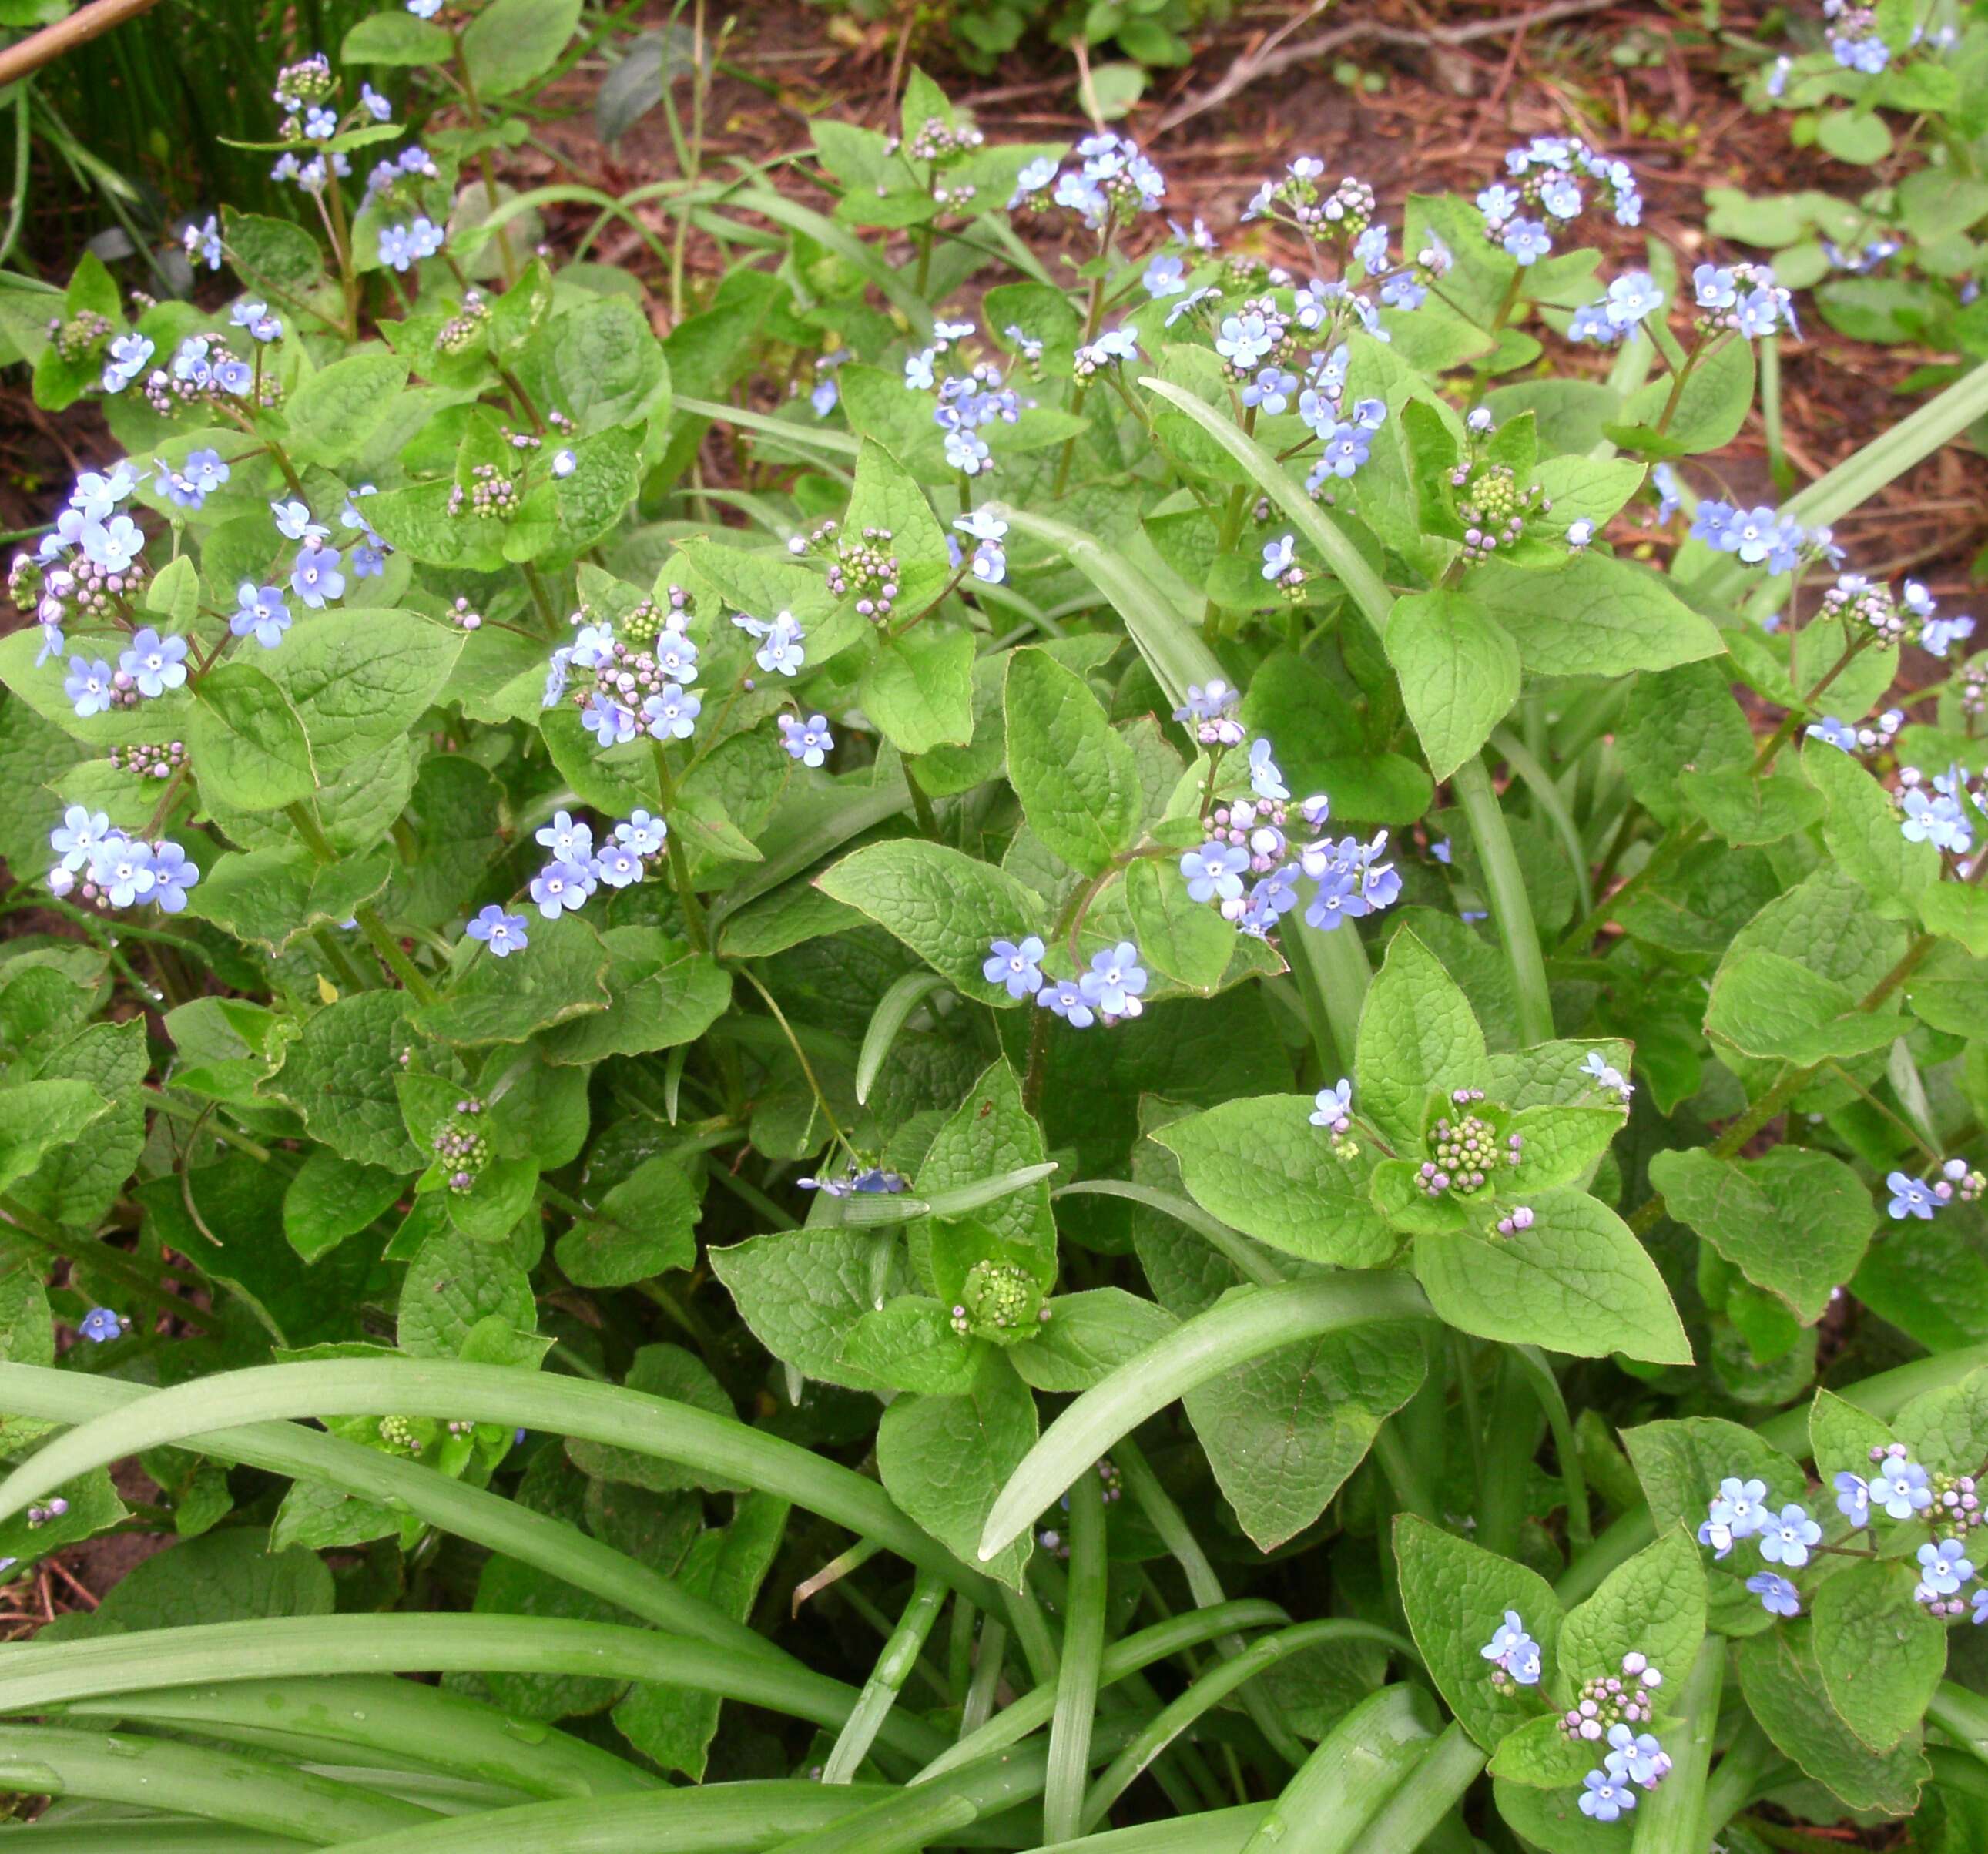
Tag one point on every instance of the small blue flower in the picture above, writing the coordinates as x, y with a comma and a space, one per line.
1853, 1499
1017, 967
1944, 1568
1777, 76
1215, 872
1670, 491
1115, 980
172, 876
810, 742
294, 522
89, 686
1834, 732
260, 613
81, 833
123, 870
642, 833
1785, 1539
1065, 997
559, 888
1778, 1597
101, 1324
1164, 276
1900, 1487
1333, 1107
1604, 1797
504, 934
1279, 556
1527, 240
1980, 1606
154, 663
672, 714
1910, 1198
618, 866
315, 578
1511, 1648
1264, 779
375, 105
1636, 1757
610, 722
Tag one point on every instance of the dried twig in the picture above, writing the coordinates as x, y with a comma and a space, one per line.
1273, 55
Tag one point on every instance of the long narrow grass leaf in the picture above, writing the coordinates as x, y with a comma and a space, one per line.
1244, 1324
1358, 1766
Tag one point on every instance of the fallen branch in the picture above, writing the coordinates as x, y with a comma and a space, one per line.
1273, 55
85, 23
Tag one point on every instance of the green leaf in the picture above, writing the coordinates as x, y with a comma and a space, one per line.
1086, 1336
36, 1117
338, 408
273, 897
646, 1227
453, 1284
511, 42
1563, 1145
1794, 1221
803, 1293
339, 1075
397, 38
919, 688
885, 495
360, 678
1282, 1432
1957, 911
1653, 1605
992, 1133
659, 1371
248, 741
1595, 616
1880, 1654
1455, 1595
944, 1460
1744, 810
78, 1183
1458, 670
1187, 940
1709, 409
946, 906
333, 1197
1417, 1036
563, 976
1577, 1281
265, 252
1765, 1004
1862, 832
1541, 1754
1259, 1165
1783, 1689
1947, 1429
1076, 777
660, 995
909, 1344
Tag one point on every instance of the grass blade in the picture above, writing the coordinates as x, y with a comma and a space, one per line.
1409, 1817
892, 1011
486, 1519
715, 1819
720, 1445
425, 1725
1244, 1324
879, 1692
1083, 1652
36, 1676
1365, 1758
251, 1792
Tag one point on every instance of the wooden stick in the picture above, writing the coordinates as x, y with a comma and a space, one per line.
85, 23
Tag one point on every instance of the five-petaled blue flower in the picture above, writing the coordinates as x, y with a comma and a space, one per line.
1115, 980
504, 934
1786, 1537
1900, 1487
1909, 1197
1065, 997
1605, 1797
1778, 1597
102, 1324
260, 613
1944, 1568
1215, 872
1019, 968
1333, 1107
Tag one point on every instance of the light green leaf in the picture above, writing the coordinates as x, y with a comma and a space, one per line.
562, 975
333, 1197
360, 677
512, 41
1458, 670
247, 741
1765, 1004
1577, 1280
1879, 1653
338, 408
339, 1075
1076, 777
1862, 832
646, 1227
36, 1117
1596, 616
660, 995
919, 688
1417, 1035
1653, 1606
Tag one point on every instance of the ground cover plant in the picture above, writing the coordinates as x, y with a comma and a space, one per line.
1203, 1076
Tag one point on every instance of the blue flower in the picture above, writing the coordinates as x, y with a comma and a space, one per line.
315, 578
123, 870
642, 833
1279, 556
1777, 76
375, 105
1244, 340
154, 663
618, 866
1900, 1487
1115, 980
1333, 1107
1017, 967
112, 544
1785, 1539
294, 522
1745, 1504
1265, 779
1910, 1198
1165, 276
809, 741
261, 612
504, 934
1511, 1648
1834, 733
672, 714
1599, 1069
1853, 1498
1778, 1597
1189, 304
610, 722
1980, 1606
102, 1324
559, 888
1631, 296
1944, 1568
202, 241
89, 685
1348, 447
172, 876
77, 837
1215, 872
1603, 1796
1527, 240
1065, 997
1370, 250
570, 839
1636, 1757
1670, 491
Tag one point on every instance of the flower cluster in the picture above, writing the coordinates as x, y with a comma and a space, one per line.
1915, 1197
998, 1299
965, 403
1112, 182
1631, 297
1494, 507
577, 868
1112, 989
1945, 819
99, 864
461, 1149
862, 564
1743, 299
1466, 1151
1853, 40
1547, 188
635, 672
1514, 1656
1762, 537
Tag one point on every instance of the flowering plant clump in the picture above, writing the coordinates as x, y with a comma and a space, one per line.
1179, 948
